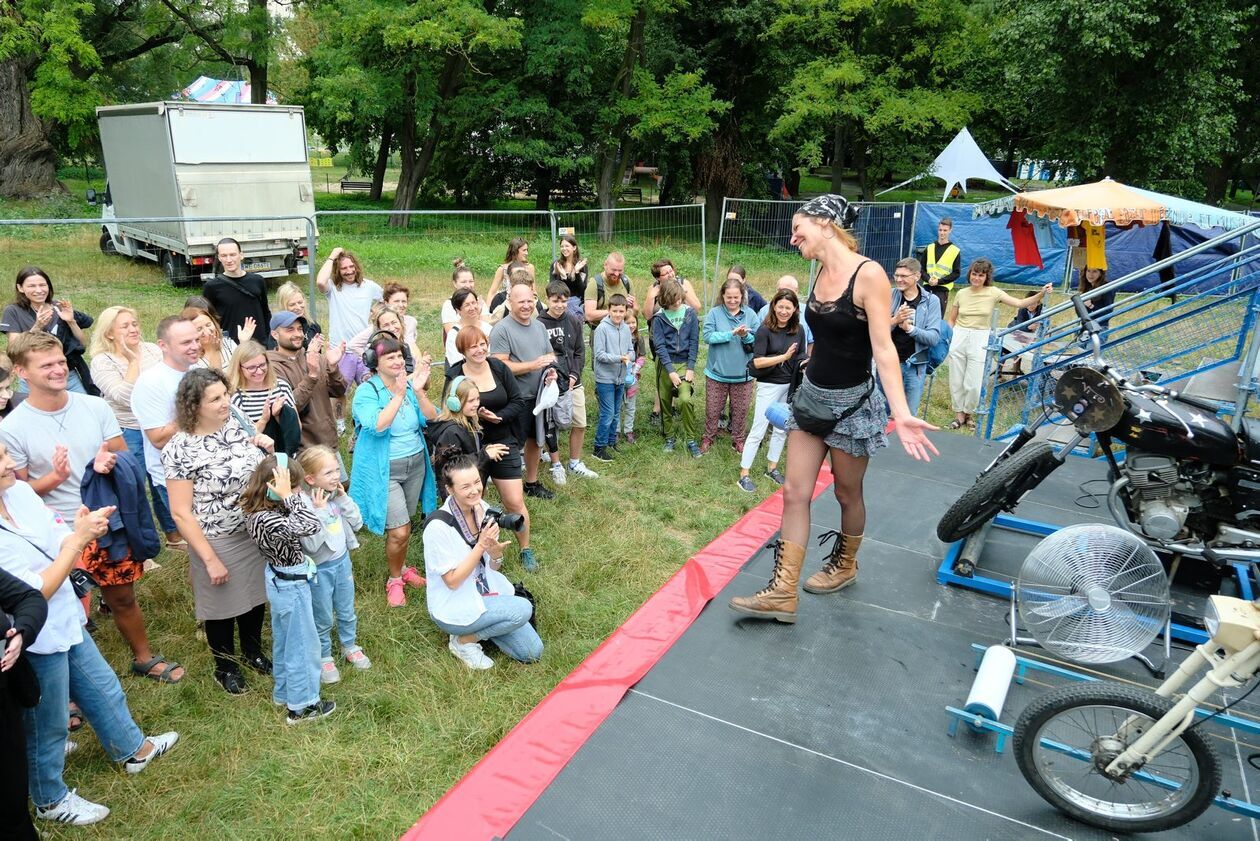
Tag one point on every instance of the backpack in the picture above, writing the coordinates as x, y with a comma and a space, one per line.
939, 351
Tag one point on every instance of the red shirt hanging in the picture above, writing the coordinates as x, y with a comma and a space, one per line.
1024, 240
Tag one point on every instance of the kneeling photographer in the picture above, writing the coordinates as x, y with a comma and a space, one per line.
468, 597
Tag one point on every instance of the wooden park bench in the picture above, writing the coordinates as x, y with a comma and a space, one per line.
350, 185
635, 193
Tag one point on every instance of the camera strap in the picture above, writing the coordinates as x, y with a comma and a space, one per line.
446, 517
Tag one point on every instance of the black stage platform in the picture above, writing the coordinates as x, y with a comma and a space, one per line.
836, 727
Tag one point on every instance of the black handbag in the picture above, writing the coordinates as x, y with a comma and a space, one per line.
816, 417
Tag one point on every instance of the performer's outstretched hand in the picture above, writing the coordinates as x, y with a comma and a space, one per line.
913, 434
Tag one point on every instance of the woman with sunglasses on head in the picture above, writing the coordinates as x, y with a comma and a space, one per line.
837, 412
216, 347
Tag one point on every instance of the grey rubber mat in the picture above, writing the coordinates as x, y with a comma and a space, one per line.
835, 727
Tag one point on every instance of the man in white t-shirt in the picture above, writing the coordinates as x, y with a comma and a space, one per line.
54, 437
153, 398
350, 295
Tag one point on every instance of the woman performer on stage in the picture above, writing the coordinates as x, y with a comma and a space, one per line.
837, 408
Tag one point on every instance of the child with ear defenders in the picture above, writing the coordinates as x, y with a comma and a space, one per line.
332, 591
458, 427
277, 521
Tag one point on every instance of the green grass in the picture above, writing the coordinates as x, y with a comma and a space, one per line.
409, 728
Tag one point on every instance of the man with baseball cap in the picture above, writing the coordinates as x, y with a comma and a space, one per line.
314, 376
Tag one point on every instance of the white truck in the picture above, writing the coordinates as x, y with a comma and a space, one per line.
189, 160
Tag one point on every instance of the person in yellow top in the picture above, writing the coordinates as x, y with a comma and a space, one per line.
942, 262
971, 315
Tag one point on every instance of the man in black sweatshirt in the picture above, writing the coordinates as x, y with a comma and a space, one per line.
565, 331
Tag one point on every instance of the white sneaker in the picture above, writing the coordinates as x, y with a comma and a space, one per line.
580, 468
557, 473
328, 672
71, 746
74, 810
341, 426
161, 745
470, 653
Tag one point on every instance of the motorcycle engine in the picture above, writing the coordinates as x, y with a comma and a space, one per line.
1162, 506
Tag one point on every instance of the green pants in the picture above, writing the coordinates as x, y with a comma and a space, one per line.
678, 406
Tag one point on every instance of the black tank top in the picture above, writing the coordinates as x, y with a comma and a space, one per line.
842, 340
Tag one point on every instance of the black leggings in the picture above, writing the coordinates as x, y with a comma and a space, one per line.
222, 642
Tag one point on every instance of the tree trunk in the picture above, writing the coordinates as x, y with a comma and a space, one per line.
413, 176
1216, 177
406, 151
859, 160
28, 163
382, 163
615, 149
837, 158
542, 188
259, 51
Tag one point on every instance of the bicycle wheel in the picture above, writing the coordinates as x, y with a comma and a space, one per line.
1000, 489
1065, 739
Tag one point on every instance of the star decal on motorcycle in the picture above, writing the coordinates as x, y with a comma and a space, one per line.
1198, 420
1143, 416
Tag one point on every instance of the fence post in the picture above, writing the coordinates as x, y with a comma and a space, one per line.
704, 252
311, 263
717, 258
551, 214
914, 225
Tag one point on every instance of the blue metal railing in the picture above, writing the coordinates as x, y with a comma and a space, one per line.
1211, 315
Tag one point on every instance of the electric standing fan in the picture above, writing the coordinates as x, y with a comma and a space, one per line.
1092, 593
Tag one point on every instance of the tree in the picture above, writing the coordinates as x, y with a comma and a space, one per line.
877, 87
59, 59
241, 37
1140, 91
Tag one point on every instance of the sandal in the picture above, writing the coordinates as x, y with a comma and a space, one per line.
76, 718
177, 545
955, 424
164, 676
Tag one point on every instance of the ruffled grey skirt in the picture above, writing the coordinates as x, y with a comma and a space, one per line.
861, 433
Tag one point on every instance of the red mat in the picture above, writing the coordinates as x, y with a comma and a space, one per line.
499, 789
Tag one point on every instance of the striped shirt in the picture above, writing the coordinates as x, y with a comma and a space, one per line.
253, 401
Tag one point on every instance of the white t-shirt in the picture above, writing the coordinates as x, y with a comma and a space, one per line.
348, 308
453, 356
444, 549
449, 316
32, 436
44, 527
153, 404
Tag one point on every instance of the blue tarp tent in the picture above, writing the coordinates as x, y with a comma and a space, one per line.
1128, 250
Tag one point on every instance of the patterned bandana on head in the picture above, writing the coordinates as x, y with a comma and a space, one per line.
833, 207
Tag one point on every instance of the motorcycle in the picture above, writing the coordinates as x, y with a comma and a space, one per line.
1126, 759
1188, 485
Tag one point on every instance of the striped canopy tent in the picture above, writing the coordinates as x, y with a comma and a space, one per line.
1110, 201
224, 91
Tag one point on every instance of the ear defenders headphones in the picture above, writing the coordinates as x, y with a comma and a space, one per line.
282, 463
452, 399
370, 359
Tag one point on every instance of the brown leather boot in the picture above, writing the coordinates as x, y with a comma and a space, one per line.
841, 568
778, 599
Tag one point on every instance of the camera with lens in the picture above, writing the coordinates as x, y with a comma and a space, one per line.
504, 519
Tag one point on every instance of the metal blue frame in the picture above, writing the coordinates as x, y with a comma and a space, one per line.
1002, 589
1023, 665
1197, 303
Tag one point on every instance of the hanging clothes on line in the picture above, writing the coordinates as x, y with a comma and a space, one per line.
1024, 240
1095, 246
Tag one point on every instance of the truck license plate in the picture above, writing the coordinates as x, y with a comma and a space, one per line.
257, 266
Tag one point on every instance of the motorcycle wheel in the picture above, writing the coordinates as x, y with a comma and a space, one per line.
1081, 722
997, 490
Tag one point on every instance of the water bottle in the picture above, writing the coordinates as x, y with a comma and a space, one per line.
777, 414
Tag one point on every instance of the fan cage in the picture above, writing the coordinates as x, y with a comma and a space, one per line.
1093, 593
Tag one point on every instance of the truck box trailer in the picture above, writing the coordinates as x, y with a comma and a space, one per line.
189, 160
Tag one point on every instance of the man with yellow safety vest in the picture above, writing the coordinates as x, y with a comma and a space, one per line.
941, 262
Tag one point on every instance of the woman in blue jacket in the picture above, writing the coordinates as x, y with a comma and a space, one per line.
391, 472
676, 337
730, 329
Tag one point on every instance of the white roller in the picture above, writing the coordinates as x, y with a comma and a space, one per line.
993, 681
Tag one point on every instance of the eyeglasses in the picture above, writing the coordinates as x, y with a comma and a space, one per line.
254, 369
903, 276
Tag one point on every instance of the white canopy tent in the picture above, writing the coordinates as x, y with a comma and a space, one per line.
959, 161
